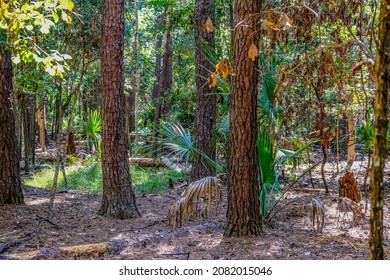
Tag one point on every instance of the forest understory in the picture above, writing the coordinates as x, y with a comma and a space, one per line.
74, 230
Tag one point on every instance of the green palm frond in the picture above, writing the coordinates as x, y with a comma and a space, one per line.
177, 141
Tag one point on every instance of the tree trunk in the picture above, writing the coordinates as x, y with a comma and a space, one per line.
118, 196
380, 131
10, 183
166, 77
132, 99
28, 110
41, 118
206, 101
157, 71
243, 215
350, 137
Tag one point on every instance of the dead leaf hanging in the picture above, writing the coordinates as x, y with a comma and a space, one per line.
268, 26
224, 68
212, 80
208, 26
253, 52
285, 21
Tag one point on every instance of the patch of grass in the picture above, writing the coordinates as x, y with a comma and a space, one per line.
89, 178
152, 179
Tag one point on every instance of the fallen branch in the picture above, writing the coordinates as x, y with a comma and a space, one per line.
44, 219
14, 242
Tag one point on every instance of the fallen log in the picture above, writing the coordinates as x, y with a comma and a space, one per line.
148, 162
86, 251
155, 162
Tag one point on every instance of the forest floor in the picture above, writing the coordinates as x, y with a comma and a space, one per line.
73, 230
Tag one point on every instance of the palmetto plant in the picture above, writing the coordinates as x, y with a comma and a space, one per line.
176, 141
90, 128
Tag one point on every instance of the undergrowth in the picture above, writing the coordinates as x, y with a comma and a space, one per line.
88, 177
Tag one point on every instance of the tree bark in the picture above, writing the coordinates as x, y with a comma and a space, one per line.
28, 112
206, 101
243, 215
10, 183
166, 77
41, 118
380, 131
118, 196
350, 137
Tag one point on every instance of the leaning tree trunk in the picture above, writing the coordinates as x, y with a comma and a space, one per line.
206, 102
10, 183
243, 215
380, 127
118, 196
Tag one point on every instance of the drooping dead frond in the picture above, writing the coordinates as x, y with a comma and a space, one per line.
346, 205
197, 201
318, 214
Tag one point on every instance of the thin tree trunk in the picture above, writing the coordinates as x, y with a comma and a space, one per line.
28, 110
380, 127
10, 183
118, 197
166, 78
350, 137
243, 214
206, 101
41, 118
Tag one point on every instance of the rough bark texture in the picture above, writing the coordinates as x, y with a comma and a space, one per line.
10, 184
166, 78
380, 127
158, 70
244, 218
118, 196
28, 113
41, 119
206, 102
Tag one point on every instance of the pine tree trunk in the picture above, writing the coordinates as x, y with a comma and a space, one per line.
206, 101
28, 110
380, 128
158, 70
243, 215
166, 77
118, 196
41, 119
10, 183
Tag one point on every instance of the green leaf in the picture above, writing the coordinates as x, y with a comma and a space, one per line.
55, 16
66, 5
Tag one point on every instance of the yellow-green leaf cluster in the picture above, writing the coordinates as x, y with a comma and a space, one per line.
23, 21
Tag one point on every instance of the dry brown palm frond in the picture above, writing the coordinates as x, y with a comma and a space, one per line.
346, 205
197, 201
318, 214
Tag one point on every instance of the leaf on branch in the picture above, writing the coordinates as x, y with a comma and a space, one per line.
208, 26
253, 52
268, 26
212, 80
224, 68
285, 21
